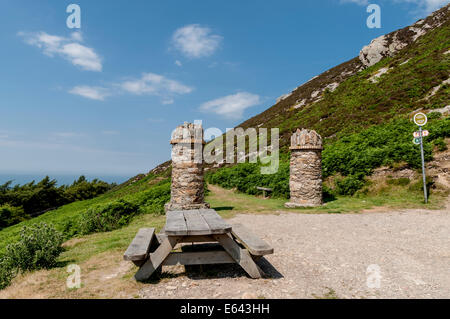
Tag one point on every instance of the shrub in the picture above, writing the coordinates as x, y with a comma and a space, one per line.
350, 184
10, 215
107, 217
440, 144
38, 247
354, 156
6, 273
34, 199
153, 200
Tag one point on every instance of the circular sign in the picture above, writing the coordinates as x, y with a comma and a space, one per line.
416, 141
420, 119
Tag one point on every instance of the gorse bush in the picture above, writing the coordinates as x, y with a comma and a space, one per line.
7, 273
38, 248
246, 177
350, 184
118, 213
107, 217
354, 157
153, 200
10, 215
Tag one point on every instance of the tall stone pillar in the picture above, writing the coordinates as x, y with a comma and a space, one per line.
187, 191
305, 182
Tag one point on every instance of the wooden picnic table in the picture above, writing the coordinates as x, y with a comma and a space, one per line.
238, 244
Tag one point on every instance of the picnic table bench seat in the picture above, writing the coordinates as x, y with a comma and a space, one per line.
140, 247
255, 245
236, 244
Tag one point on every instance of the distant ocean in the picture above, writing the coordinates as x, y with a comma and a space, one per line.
61, 179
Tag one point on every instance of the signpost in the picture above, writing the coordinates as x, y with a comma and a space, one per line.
420, 120
424, 133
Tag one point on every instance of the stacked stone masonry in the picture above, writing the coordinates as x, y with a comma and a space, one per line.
187, 191
305, 182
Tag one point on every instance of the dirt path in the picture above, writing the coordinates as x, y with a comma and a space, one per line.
326, 256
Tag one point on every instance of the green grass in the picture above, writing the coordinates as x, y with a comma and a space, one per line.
229, 202
127, 191
117, 240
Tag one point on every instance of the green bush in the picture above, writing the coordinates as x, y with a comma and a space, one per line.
440, 144
354, 156
153, 200
38, 248
7, 273
350, 184
107, 217
34, 199
10, 215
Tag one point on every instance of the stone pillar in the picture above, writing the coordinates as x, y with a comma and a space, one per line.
305, 182
187, 191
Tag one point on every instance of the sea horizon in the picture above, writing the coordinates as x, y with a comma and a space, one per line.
62, 179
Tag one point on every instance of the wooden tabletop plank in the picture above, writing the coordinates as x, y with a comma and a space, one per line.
216, 223
195, 223
175, 224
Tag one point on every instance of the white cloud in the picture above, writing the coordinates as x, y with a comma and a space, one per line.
148, 84
68, 48
91, 92
77, 36
177, 62
231, 106
155, 84
196, 41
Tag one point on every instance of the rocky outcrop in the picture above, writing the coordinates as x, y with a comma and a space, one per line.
390, 44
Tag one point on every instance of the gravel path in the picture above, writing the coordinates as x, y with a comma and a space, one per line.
330, 255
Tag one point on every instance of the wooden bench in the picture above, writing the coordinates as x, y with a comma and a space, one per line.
233, 244
264, 189
255, 245
141, 246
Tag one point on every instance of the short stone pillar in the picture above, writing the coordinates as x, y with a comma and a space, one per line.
187, 191
305, 182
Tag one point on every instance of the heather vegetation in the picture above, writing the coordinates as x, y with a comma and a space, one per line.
353, 157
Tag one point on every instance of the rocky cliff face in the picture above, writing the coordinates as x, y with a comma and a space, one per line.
390, 44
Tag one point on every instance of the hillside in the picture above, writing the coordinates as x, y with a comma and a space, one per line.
403, 71
362, 109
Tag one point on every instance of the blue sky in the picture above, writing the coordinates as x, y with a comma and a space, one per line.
103, 99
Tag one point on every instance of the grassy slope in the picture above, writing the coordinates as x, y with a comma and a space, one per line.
58, 217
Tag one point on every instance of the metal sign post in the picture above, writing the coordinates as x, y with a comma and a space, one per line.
423, 167
421, 119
